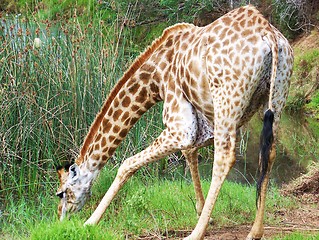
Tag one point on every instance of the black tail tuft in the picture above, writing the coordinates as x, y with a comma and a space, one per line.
266, 141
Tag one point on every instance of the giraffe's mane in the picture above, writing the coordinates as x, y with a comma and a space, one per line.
143, 57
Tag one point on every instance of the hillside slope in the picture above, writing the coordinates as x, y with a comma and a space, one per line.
304, 90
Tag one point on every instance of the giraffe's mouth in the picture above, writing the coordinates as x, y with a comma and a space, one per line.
62, 208
66, 209
66, 206
69, 207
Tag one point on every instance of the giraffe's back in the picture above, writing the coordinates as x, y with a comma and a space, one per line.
228, 63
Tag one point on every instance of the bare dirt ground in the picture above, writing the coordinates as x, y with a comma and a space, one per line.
305, 219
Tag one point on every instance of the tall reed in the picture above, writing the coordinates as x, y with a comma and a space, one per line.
55, 76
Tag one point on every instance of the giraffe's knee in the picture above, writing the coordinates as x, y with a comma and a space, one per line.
126, 170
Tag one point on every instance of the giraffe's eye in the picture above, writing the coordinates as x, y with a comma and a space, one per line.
60, 194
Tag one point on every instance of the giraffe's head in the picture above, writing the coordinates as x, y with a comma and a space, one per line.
73, 191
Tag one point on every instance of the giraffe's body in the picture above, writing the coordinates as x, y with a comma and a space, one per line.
212, 80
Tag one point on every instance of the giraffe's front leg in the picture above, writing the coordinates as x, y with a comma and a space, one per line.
179, 134
160, 148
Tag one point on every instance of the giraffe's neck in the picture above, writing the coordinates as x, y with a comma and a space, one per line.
134, 98
137, 91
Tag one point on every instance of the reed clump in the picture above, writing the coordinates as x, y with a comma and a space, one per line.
55, 76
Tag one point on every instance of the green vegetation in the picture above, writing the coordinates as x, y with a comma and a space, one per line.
72, 230
298, 236
313, 105
299, 140
50, 92
304, 91
143, 206
306, 61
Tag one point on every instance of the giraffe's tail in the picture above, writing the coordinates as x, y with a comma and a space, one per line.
267, 137
266, 141
273, 44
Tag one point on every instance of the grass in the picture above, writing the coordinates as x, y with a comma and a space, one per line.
50, 95
298, 236
143, 206
313, 105
72, 230
298, 140
305, 61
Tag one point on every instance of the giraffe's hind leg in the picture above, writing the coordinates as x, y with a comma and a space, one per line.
191, 156
257, 230
224, 158
280, 94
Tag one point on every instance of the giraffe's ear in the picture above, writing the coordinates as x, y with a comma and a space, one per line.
74, 172
60, 171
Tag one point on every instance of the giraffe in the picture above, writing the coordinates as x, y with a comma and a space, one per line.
212, 80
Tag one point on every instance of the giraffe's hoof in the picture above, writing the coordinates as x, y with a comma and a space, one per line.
250, 237
89, 222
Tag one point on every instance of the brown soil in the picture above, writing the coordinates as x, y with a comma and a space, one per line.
304, 219
307, 41
306, 187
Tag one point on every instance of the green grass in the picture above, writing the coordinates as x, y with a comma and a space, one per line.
55, 9
298, 236
305, 61
143, 206
51, 94
72, 230
313, 105
298, 140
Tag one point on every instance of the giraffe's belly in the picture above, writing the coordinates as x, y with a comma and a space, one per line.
205, 131
199, 95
